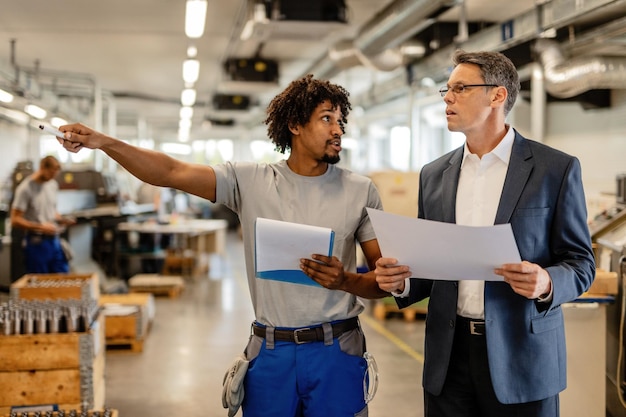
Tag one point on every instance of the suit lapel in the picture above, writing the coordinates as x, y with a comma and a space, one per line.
450, 183
520, 167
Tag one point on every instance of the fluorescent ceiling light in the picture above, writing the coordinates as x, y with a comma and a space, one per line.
191, 70
35, 111
195, 16
183, 134
5, 96
184, 124
186, 112
15, 115
192, 51
57, 121
188, 97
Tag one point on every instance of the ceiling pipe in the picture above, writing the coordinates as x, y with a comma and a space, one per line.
382, 42
565, 78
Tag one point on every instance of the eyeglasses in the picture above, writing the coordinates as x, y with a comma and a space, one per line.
459, 88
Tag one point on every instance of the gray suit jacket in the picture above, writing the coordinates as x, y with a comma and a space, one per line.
544, 202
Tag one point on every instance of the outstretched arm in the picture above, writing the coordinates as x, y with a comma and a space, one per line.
150, 166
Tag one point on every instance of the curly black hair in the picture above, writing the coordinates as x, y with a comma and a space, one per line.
295, 105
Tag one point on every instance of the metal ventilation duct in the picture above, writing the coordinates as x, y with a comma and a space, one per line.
382, 42
568, 78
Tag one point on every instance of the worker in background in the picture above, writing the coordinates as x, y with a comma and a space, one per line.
293, 321
34, 210
497, 348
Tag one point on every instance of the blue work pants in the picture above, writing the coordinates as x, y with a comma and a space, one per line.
306, 380
43, 255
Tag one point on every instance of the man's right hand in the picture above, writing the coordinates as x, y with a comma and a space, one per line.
47, 229
390, 276
78, 136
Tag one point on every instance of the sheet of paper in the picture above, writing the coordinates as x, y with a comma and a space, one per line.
280, 245
445, 251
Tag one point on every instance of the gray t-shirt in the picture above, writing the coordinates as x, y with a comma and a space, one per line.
38, 200
337, 200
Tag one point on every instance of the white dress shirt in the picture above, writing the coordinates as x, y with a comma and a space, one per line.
477, 199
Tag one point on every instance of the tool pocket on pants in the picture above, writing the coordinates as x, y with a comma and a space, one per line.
363, 413
352, 342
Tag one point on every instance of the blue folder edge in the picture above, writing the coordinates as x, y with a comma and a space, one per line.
296, 276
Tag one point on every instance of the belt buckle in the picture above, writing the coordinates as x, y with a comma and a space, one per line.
473, 328
296, 339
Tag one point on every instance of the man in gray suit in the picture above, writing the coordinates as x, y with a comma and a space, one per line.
497, 348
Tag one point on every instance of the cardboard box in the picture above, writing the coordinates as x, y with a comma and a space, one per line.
398, 191
605, 283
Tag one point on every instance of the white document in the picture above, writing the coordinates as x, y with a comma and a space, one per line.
445, 251
280, 245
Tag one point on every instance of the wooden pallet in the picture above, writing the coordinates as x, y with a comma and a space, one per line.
126, 344
386, 308
170, 286
172, 291
67, 410
127, 331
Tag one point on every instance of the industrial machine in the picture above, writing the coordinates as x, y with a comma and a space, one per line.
608, 232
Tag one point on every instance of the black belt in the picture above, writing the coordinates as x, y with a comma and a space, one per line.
41, 236
308, 334
472, 326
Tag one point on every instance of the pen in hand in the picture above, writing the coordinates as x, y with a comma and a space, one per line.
52, 131
60, 135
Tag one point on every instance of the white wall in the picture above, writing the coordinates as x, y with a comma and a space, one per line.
16, 145
596, 137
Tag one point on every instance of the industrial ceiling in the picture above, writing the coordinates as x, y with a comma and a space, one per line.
118, 64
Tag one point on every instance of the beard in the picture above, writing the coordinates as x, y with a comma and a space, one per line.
330, 159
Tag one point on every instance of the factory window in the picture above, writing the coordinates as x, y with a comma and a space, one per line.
50, 146
400, 148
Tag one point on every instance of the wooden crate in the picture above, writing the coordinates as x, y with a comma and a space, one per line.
130, 329
90, 413
168, 285
63, 369
57, 286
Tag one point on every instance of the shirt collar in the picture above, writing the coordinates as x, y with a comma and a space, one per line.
502, 151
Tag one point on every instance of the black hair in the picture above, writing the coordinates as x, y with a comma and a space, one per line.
295, 105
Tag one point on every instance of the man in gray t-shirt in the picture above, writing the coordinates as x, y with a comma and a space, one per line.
34, 209
306, 354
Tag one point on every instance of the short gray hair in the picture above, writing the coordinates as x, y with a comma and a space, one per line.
495, 68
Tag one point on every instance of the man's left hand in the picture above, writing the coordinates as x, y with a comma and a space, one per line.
526, 279
325, 270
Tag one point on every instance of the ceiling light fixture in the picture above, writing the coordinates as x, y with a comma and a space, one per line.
57, 121
188, 97
192, 51
35, 111
195, 17
191, 70
5, 96
186, 112
184, 124
15, 115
